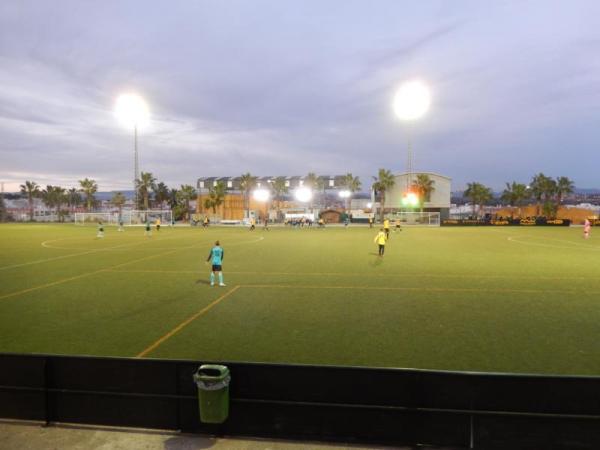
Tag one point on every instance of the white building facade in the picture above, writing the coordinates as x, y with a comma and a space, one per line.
439, 200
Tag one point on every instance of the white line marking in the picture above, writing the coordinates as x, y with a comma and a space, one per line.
562, 247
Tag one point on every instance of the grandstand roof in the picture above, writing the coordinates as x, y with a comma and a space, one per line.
233, 183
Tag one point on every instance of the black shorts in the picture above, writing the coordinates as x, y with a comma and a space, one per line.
216, 268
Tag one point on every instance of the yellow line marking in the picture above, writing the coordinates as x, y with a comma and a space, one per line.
427, 289
354, 274
186, 322
83, 275
107, 269
71, 255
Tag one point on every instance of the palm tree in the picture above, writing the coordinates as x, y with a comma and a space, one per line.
73, 198
542, 188
564, 186
247, 183
279, 188
383, 182
145, 183
173, 198
2, 209
118, 200
423, 186
321, 188
48, 197
161, 194
478, 194
515, 194
216, 194
350, 183
60, 197
31, 190
185, 194
89, 188
54, 197
311, 181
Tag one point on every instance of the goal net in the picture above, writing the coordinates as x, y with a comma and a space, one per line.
107, 218
127, 217
416, 218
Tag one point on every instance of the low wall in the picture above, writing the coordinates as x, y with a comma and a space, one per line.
540, 221
398, 407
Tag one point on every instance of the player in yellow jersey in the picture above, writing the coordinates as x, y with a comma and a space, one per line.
380, 240
158, 224
386, 227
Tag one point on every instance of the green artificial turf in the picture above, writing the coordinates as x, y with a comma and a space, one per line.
479, 299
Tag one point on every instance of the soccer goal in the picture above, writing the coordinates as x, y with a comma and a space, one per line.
128, 217
140, 217
107, 218
431, 219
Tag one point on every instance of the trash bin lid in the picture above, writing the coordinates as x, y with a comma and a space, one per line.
211, 372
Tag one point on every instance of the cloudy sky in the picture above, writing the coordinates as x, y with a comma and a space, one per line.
287, 87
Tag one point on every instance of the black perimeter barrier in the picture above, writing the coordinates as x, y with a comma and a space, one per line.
318, 403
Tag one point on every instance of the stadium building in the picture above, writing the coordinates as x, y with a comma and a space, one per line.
232, 207
439, 200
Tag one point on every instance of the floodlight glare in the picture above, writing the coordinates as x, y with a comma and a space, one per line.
345, 194
412, 100
261, 195
132, 111
369, 205
303, 194
410, 199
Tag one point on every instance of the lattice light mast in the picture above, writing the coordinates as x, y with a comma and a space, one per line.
132, 111
411, 102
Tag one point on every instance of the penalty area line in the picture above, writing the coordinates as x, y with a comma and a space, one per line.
185, 323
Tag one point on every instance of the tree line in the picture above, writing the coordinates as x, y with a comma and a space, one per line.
548, 194
151, 193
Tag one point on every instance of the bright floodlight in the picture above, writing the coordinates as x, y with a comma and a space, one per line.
410, 199
412, 100
261, 195
345, 194
132, 110
303, 194
369, 205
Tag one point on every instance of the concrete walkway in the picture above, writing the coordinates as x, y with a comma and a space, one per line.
15, 435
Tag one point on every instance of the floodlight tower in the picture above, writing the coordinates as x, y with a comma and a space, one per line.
411, 103
132, 111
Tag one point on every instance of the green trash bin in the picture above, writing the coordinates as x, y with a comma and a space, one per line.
213, 392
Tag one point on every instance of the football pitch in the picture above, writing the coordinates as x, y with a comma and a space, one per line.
478, 299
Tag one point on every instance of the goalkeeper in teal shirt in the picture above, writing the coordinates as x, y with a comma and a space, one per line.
216, 255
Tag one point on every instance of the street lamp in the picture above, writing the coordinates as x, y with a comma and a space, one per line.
411, 102
132, 111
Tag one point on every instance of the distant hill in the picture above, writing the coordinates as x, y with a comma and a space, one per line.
587, 191
108, 195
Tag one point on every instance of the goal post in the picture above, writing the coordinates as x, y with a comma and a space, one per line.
430, 219
140, 217
129, 217
107, 218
